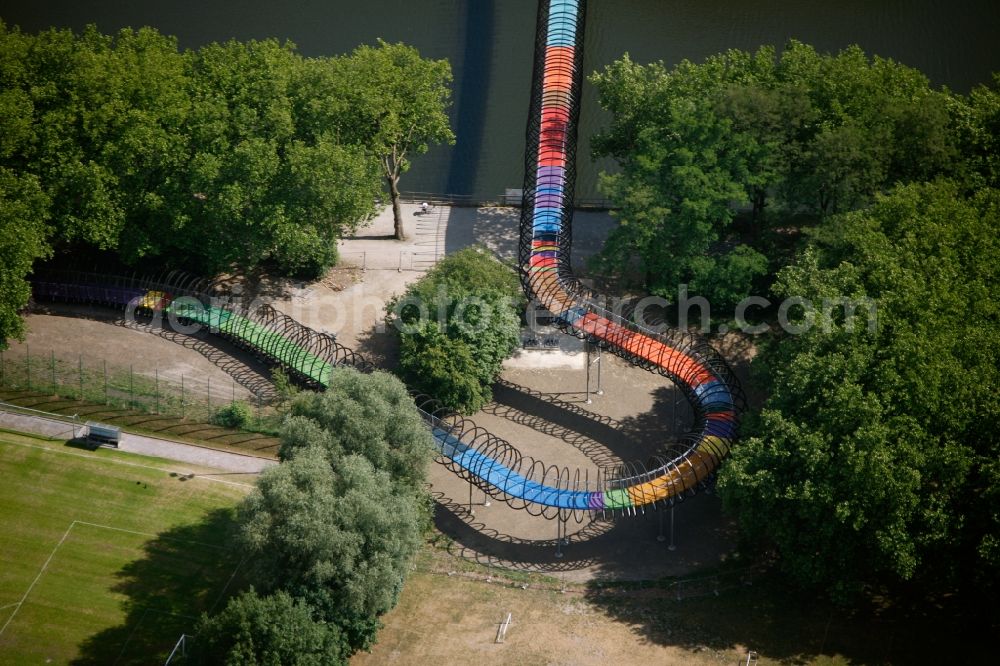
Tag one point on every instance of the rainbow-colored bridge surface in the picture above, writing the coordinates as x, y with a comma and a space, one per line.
546, 274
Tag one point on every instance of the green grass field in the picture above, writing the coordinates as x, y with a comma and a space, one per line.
106, 558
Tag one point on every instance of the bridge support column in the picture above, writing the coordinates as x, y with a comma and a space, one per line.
561, 539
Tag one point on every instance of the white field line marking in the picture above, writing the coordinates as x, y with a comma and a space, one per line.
40, 572
8, 606
147, 534
116, 529
226, 587
205, 477
130, 635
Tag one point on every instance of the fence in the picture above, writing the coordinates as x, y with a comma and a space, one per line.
97, 381
404, 260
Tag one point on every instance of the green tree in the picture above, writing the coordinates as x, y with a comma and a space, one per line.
23, 208
800, 136
766, 118
726, 277
979, 126
228, 157
874, 460
680, 168
136, 108
396, 104
259, 187
457, 325
200, 157
365, 414
443, 367
60, 86
872, 123
340, 539
262, 631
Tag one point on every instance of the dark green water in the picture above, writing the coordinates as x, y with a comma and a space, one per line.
489, 43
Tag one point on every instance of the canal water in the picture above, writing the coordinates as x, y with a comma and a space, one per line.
490, 42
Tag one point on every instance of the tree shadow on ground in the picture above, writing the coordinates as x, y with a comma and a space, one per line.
605, 440
380, 347
785, 627
496, 228
183, 572
258, 283
600, 548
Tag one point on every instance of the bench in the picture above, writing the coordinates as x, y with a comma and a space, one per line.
103, 435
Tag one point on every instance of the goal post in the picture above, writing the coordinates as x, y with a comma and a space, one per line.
180, 650
502, 629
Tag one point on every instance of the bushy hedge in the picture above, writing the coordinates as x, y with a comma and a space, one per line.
456, 326
236, 414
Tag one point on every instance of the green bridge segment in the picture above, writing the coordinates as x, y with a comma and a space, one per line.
257, 336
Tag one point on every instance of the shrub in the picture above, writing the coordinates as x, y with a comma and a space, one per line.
283, 385
445, 368
236, 414
472, 303
305, 253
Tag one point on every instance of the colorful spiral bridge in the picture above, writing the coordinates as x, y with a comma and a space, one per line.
676, 470
680, 468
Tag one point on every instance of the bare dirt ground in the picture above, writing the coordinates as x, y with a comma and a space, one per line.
450, 617
447, 620
93, 336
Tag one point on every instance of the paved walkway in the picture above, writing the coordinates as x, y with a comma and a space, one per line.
141, 444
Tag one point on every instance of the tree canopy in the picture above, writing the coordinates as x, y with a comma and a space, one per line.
22, 241
874, 458
341, 539
258, 631
851, 183
262, 182
229, 157
778, 141
205, 158
338, 522
369, 415
457, 325
396, 103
